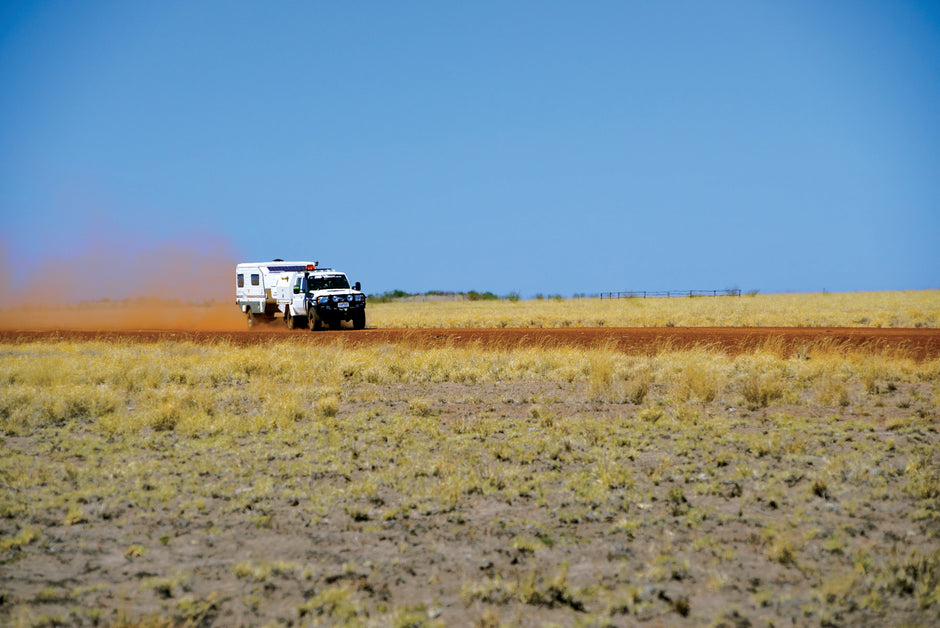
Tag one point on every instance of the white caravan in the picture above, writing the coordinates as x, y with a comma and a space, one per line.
299, 291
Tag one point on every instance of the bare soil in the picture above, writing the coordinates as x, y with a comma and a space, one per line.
919, 344
822, 527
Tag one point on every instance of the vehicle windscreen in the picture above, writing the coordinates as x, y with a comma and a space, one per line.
328, 283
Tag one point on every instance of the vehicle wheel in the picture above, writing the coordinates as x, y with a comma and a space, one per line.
359, 321
291, 320
317, 322
251, 317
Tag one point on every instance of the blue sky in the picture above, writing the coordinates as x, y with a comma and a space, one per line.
529, 147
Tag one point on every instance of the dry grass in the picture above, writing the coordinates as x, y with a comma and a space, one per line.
909, 309
210, 389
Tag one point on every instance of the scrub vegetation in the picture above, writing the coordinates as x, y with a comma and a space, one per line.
211, 484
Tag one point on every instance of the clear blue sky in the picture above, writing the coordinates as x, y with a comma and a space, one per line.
535, 147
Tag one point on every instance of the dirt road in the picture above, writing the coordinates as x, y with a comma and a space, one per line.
917, 343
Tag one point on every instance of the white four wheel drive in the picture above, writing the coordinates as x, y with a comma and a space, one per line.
300, 292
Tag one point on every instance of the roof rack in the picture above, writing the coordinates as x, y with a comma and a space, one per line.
294, 268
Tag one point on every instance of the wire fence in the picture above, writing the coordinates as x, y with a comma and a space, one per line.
645, 294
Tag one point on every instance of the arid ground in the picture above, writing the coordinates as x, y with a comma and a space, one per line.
602, 477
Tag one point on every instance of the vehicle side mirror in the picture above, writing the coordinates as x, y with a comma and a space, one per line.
296, 289
357, 286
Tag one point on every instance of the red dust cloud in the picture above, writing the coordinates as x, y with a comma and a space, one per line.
185, 285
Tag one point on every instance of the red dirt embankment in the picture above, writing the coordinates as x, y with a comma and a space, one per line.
918, 344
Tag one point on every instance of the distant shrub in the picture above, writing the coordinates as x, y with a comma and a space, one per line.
388, 296
397, 295
473, 295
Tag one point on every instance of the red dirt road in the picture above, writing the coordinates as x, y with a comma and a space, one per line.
919, 344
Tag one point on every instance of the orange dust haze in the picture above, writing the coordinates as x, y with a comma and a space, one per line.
185, 285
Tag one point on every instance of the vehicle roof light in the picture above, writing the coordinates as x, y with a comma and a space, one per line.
311, 266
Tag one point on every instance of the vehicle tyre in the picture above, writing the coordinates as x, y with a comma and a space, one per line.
359, 320
317, 322
251, 317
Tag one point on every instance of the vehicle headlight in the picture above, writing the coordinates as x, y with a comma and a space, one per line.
323, 299
335, 299
358, 297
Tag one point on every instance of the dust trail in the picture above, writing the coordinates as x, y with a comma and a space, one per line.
184, 284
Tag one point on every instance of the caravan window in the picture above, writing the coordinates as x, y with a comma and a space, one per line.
255, 279
241, 280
